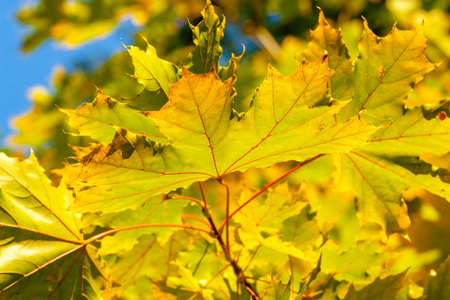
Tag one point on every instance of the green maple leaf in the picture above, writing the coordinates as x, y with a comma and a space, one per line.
207, 36
267, 214
385, 72
207, 52
149, 259
285, 122
379, 171
155, 74
278, 291
157, 211
380, 289
325, 40
358, 264
277, 223
42, 251
99, 118
290, 119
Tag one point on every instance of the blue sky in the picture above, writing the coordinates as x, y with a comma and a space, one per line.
19, 71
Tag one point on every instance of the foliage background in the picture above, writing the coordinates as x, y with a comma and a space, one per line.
22, 70
268, 30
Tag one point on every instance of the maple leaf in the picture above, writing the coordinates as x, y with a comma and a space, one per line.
156, 74
99, 119
42, 249
206, 36
274, 223
160, 263
147, 258
379, 171
152, 72
285, 122
380, 289
385, 72
157, 211
325, 40
351, 265
268, 214
278, 291
207, 52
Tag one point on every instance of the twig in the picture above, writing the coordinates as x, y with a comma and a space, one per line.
237, 270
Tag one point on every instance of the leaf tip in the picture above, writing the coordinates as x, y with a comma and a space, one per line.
365, 24
322, 19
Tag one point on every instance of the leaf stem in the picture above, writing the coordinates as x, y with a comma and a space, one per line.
188, 198
227, 214
192, 217
205, 204
224, 222
112, 231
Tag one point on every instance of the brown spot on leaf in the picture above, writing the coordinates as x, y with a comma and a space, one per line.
120, 142
87, 158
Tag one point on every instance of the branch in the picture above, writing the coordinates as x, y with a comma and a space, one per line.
224, 222
237, 270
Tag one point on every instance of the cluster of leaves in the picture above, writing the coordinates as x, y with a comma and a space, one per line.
136, 216
256, 24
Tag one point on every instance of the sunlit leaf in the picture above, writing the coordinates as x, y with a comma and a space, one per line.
42, 251
207, 52
206, 36
154, 73
379, 171
385, 70
380, 289
359, 264
157, 211
206, 143
278, 291
99, 119
325, 40
416, 132
267, 214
